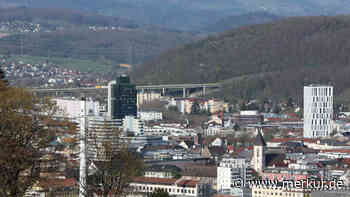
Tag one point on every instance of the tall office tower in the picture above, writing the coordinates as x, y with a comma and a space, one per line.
318, 111
111, 98
122, 98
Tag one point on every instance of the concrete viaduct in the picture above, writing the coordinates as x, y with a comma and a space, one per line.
141, 88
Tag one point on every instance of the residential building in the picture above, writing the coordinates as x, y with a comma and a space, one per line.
318, 111
175, 187
184, 105
162, 171
247, 117
147, 96
150, 115
72, 108
54, 187
230, 171
269, 190
133, 125
100, 132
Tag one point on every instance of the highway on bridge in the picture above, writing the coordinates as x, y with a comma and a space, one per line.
138, 87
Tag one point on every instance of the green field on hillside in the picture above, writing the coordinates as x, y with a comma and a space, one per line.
76, 64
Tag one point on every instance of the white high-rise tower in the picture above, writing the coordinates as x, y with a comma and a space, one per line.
318, 111
82, 155
111, 98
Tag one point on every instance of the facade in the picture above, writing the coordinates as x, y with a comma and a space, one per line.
318, 111
214, 105
54, 187
100, 132
175, 187
162, 171
122, 98
231, 170
150, 115
267, 191
72, 108
247, 117
184, 105
133, 125
147, 96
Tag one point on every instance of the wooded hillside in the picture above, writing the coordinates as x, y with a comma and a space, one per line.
290, 52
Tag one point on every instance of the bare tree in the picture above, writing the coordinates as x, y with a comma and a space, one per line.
114, 163
23, 137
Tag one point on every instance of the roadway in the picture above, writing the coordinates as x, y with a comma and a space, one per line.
138, 87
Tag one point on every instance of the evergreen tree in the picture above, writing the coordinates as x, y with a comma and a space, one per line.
3, 82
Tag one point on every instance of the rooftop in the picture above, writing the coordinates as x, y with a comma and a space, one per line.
259, 140
151, 180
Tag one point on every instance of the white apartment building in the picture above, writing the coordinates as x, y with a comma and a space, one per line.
213, 130
150, 115
175, 187
73, 108
231, 171
267, 191
133, 125
102, 131
318, 111
147, 96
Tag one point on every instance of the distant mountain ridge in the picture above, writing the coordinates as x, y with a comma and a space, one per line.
276, 59
62, 14
191, 15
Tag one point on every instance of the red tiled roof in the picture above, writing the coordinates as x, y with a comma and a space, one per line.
57, 183
187, 183
337, 150
281, 140
244, 148
151, 180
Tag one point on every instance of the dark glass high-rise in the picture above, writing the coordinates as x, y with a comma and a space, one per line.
124, 96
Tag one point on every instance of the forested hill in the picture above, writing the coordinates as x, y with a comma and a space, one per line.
235, 21
69, 34
290, 52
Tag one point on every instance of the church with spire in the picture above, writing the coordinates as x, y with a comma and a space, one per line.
259, 160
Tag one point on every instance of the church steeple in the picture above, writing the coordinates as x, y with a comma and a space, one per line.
258, 160
259, 140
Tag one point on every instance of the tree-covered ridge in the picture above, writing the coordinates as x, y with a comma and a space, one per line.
131, 47
236, 21
290, 51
